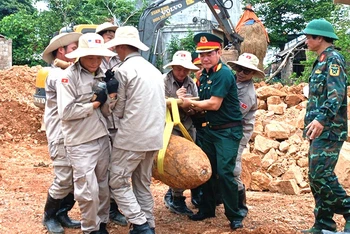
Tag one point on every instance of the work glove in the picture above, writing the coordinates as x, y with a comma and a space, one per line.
101, 97
109, 74
112, 86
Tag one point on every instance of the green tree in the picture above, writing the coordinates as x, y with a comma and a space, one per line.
284, 19
8, 7
185, 43
96, 11
30, 33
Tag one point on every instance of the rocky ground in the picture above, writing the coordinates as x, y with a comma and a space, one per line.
26, 173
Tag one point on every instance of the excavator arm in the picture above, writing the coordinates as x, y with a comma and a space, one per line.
155, 16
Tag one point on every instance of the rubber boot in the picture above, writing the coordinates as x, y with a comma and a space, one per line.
115, 216
103, 228
168, 198
242, 199
141, 229
236, 224
178, 206
50, 220
66, 205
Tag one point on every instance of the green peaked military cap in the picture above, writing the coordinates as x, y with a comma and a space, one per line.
206, 42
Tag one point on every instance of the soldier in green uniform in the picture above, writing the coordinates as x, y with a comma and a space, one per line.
326, 126
223, 131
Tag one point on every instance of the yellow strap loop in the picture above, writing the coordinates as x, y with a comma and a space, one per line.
171, 119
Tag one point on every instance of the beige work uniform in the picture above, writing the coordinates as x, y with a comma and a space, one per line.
62, 184
141, 109
113, 120
248, 102
86, 139
171, 86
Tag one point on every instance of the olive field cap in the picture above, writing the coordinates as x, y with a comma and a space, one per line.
127, 35
249, 61
320, 27
58, 41
207, 42
106, 27
196, 60
182, 58
91, 44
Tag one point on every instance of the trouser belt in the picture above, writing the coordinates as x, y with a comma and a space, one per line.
228, 125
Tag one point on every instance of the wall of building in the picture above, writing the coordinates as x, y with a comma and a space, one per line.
5, 53
197, 18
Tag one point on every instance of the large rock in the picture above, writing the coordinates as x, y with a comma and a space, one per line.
342, 170
250, 163
267, 91
276, 130
264, 144
289, 187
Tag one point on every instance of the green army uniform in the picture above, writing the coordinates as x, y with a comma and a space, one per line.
328, 105
221, 140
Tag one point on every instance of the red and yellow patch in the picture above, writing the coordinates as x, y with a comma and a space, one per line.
64, 80
323, 56
334, 70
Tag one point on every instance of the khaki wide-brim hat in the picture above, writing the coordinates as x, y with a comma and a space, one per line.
182, 58
91, 44
58, 41
249, 61
127, 35
106, 26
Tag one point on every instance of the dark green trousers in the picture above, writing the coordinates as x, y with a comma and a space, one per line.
329, 195
221, 147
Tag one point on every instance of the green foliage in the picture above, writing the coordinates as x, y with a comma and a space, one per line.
344, 43
283, 18
8, 7
96, 11
30, 33
177, 44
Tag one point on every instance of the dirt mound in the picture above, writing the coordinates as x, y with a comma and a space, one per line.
20, 119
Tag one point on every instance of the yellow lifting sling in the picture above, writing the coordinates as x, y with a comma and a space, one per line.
172, 118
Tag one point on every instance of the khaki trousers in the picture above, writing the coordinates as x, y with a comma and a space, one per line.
90, 162
130, 180
62, 184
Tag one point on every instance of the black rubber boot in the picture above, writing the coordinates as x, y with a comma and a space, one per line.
103, 228
50, 220
66, 205
242, 205
236, 224
141, 229
168, 198
178, 206
115, 216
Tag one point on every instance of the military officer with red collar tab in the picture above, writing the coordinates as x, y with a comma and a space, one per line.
223, 132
